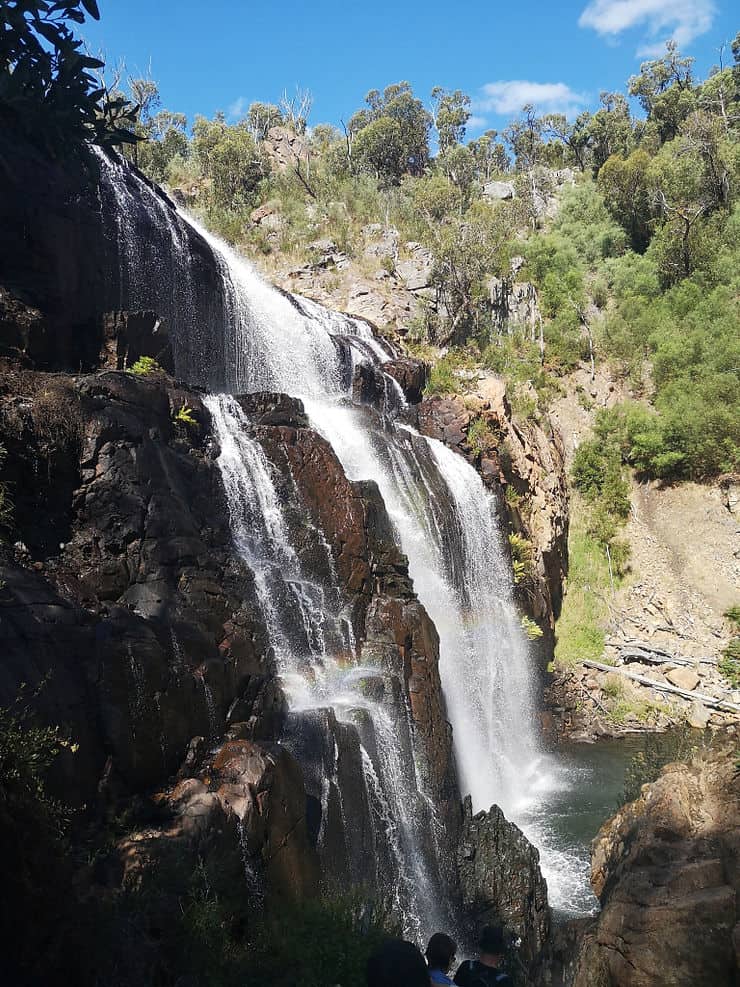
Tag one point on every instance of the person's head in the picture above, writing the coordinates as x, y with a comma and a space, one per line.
441, 952
397, 963
492, 944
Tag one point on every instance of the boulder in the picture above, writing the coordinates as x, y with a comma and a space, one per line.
416, 271
683, 678
666, 871
501, 881
499, 190
412, 376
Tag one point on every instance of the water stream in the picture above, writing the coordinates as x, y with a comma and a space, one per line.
447, 526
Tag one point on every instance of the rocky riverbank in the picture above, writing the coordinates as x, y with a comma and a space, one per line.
666, 871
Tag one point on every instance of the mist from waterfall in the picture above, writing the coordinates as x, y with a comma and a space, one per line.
447, 526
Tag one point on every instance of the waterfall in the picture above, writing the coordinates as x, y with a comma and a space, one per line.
256, 338
315, 680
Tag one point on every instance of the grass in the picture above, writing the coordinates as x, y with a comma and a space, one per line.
580, 628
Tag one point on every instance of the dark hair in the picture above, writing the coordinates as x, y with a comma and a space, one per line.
441, 952
492, 940
397, 963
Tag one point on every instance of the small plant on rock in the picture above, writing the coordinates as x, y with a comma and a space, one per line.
185, 416
522, 561
530, 628
144, 365
480, 436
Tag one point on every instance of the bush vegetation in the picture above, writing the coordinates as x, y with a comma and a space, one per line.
639, 267
580, 628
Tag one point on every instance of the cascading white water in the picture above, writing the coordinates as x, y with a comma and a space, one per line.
312, 676
447, 526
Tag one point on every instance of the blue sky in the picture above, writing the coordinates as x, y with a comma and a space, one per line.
223, 55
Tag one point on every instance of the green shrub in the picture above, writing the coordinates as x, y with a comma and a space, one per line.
185, 416
530, 628
522, 558
33, 827
144, 365
580, 628
480, 436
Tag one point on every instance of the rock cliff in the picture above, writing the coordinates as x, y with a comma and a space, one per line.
666, 871
125, 603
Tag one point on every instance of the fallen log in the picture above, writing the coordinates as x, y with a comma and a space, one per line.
665, 687
639, 651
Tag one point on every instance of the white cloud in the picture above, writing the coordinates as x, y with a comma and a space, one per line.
682, 20
546, 97
476, 122
237, 108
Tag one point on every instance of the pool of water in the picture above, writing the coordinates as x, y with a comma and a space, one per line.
581, 788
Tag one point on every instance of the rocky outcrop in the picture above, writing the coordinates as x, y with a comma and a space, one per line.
122, 588
524, 466
515, 306
501, 881
666, 871
394, 631
286, 149
70, 250
242, 814
411, 375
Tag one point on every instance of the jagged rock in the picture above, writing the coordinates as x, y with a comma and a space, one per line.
381, 242
501, 881
130, 335
666, 871
397, 633
63, 252
416, 272
285, 148
144, 610
499, 190
243, 816
412, 376
515, 305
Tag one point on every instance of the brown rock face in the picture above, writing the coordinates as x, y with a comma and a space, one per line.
525, 467
666, 870
393, 629
501, 881
412, 376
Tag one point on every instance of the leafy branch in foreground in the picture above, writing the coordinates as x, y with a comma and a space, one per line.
47, 85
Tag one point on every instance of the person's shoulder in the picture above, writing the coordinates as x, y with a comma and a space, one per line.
464, 973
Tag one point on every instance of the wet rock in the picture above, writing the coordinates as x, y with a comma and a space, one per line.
501, 881
130, 335
243, 816
524, 466
412, 376
666, 871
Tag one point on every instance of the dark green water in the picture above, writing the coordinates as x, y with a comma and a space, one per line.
589, 790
